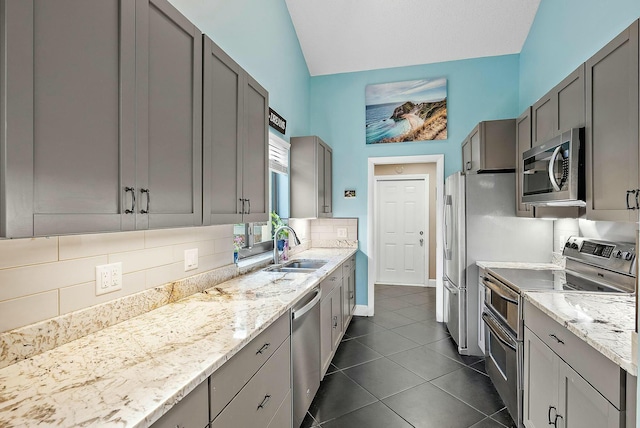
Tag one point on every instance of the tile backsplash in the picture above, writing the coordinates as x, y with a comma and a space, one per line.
41, 278
606, 230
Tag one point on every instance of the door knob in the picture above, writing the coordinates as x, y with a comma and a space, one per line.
421, 242
421, 233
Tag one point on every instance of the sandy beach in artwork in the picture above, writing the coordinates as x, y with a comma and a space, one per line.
427, 122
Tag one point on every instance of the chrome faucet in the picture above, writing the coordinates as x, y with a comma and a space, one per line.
276, 254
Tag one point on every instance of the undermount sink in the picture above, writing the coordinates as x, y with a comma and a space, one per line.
298, 266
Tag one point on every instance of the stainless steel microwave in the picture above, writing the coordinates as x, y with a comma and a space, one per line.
553, 173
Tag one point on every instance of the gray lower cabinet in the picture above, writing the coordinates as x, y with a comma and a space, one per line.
331, 319
101, 108
190, 412
311, 178
348, 291
566, 382
561, 109
612, 136
253, 388
489, 147
235, 142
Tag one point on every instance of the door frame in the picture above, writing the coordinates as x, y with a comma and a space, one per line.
408, 177
438, 159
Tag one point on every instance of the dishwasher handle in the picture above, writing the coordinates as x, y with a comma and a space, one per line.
297, 313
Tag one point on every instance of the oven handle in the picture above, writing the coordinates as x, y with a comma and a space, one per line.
499, 291
498, 331
552, 176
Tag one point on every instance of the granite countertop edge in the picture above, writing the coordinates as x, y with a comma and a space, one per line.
83, 382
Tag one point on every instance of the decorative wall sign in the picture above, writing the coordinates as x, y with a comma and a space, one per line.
277, 122
349, 194
398, 112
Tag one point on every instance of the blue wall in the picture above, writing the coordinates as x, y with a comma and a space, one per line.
259, 35
478, 89
565, 34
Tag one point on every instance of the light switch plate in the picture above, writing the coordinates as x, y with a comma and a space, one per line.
342, 232
190, 259
108, 278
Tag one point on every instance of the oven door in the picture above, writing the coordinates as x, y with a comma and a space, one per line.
503, 302
502, 362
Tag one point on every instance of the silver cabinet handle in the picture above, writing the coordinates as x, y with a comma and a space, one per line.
264, 403
633, 192
637, 203
552, 176
549, 414
241, 209
263, 348
556, 338
249, 204
133, 200
146, 191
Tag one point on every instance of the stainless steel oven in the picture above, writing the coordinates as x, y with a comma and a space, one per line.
553, 173
504, 347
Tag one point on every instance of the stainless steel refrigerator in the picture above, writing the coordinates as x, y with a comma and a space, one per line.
480, 223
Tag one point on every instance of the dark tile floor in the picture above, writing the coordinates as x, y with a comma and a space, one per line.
400, 368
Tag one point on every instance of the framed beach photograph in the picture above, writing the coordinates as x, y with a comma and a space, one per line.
399, 112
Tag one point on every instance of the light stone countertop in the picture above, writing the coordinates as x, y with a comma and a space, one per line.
518, 265
130, 374
603, 320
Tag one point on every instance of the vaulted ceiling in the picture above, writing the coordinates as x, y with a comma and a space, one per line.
339, 36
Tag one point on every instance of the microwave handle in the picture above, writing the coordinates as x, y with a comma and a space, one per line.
552, 176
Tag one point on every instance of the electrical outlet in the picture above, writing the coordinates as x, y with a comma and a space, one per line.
108, 278
342, 232
190, 259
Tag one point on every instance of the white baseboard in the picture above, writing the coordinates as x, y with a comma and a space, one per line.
361, 311
431, 283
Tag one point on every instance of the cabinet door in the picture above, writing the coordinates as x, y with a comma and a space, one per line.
255, 152
327, 209
169, 115
540, 383
190, 412
466, 157
346, 302
320, 159
326, 333
352, 288
612, 128
476, 155
336, 316
582, 406
67, 117
223, 118
570, 99
523, 143
543, 119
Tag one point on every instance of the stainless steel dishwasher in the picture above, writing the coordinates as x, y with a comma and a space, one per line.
305, 353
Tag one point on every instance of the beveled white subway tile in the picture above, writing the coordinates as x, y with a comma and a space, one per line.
321, 229
219, 231
28, 310
82, 296
224, 245
28, 251
167, 273
78, 246
26, 280
167, 237
205, 248
133, 261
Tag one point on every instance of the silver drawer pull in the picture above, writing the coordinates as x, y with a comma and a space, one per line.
264, 348
264, 403
556, 338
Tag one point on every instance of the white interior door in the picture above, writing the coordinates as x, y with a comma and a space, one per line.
402, 231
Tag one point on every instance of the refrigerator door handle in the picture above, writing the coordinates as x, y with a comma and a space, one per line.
447, 209
453, 290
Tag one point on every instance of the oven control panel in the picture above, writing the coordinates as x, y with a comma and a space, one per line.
616, 256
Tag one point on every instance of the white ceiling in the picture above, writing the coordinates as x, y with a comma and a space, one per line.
339, 36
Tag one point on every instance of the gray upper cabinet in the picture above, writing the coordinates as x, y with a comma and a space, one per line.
490, 147
612, 129
311, 178
523, 143
561, 109
101, 118
68, 116
235, 142
169, 114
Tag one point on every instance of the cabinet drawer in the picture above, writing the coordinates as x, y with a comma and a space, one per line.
234, 374
602, 373
329, 283
257, 403
190, 412
283, 418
